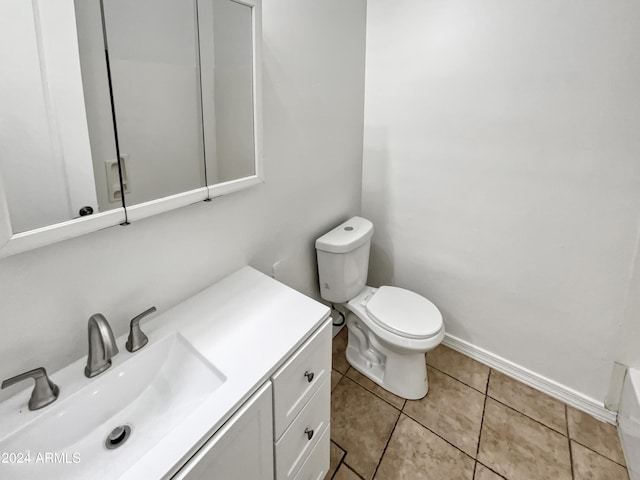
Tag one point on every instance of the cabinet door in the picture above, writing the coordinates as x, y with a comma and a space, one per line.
241, 449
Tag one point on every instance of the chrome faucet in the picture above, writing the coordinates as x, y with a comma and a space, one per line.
44, 392
137, 339
102, 346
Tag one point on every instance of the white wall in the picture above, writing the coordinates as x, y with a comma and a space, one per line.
501, 171
628, 345
313, 101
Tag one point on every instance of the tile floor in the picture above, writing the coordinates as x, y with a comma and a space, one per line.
475, 424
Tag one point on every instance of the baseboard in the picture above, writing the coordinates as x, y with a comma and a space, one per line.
534, 380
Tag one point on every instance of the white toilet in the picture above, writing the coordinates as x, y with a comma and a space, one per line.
390, 328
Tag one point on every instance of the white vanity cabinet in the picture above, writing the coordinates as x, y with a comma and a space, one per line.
234, 384
282, 431
241, 449
302, 405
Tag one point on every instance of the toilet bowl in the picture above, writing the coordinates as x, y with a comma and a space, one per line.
390, 329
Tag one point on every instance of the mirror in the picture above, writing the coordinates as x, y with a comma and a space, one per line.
45, 158
120, 109
226, 58
178, 82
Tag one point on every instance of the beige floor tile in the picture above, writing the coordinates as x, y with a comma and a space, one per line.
483, 473
345, 473
529, 401
588, 465
520, 448
335, 456
373, 387
415, 453
459, 366
339, 359
599, 436
451, 409
361, 424
336, 376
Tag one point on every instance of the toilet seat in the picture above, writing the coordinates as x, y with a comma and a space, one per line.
398, 341
404, 313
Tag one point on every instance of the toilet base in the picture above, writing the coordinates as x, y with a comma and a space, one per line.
403, 374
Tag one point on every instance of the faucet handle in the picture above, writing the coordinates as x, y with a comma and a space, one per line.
137, 339
44, 392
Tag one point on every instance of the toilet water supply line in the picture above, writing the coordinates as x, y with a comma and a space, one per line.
334, 309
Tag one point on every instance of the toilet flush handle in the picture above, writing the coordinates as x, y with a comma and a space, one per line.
309, 376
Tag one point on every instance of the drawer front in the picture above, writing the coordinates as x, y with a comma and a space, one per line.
317, 465
295, 445
299, 378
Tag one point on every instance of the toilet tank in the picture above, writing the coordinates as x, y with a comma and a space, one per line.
343, 259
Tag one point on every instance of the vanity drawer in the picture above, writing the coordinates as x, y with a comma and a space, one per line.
299, 378
317, 465
293, 449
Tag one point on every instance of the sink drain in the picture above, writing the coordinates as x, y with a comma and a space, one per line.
117, 437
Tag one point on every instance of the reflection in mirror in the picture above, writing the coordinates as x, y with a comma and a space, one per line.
178, 82
226, 53
45, 156
168, 108
155, 88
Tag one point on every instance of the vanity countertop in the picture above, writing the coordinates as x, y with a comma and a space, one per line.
246, 325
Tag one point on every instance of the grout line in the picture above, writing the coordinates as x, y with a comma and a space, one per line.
337, 384
339, 464
339, 446
566, 418
438, 435
342, 457
374, 393
571, 439
484, 408
527, 416
486, 387
339, 380
352, 471
386, 445
490, 469
458, 380
598, 453
475, 465
337, 468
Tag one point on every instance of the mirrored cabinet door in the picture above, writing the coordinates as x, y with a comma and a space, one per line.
226, 55
45, 157
178, 81
115, 110
153, 55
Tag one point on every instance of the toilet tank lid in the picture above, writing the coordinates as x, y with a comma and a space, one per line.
346, 237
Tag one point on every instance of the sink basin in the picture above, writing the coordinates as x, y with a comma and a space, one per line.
150, 391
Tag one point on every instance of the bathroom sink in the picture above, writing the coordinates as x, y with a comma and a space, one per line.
150, 392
